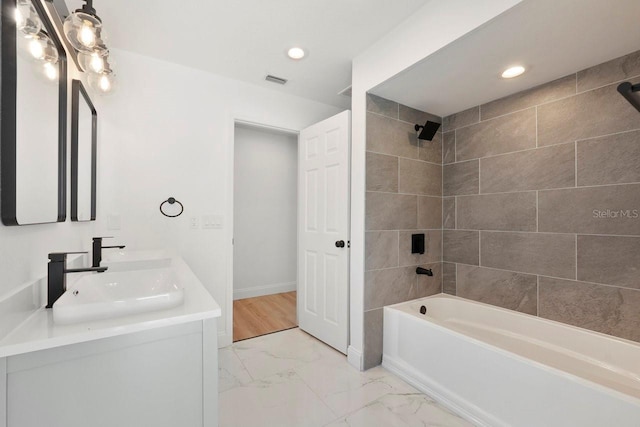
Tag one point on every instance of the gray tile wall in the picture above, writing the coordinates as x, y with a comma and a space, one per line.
404, 196
541, 206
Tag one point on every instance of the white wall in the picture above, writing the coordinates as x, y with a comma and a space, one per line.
168, 131
265, 212
436, 24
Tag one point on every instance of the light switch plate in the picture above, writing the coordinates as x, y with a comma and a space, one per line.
211, 222
194, 222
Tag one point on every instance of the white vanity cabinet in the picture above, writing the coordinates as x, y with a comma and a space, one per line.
165, 377
156, 369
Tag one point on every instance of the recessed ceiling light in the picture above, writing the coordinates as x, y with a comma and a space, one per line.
512, 72
296, 53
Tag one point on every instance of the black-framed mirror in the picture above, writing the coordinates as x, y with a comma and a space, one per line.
84, 144
33, 120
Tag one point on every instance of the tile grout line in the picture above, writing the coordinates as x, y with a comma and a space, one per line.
548, 277
455, 212
514, 191
604, 85
537, 211
401, 266
406, 230
442, 199
456, 282
537, 145
479, 176
405, 194
403, 157
575, 165
551, 101
568, 233
479, 249
591, 138
538, 295
398, 171
233, 349
542, 147
398, 246
576, 252
455, 146
381, 115
543, 103
339, 417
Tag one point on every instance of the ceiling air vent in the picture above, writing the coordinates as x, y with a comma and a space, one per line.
274, 79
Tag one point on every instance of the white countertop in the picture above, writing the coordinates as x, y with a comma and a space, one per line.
39, 332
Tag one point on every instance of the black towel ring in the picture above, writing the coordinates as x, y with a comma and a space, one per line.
171, 201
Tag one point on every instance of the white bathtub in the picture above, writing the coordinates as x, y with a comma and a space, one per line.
497, 367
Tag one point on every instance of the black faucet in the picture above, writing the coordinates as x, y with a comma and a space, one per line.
97, 250
426, 271
57, 275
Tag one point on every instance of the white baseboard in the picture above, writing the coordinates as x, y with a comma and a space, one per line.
354, 357
258, 291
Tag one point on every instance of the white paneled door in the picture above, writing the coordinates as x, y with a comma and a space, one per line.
323, 230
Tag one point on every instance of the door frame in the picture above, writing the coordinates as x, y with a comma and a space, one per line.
227, 339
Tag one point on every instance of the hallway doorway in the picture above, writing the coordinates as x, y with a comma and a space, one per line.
263, 315
265, 231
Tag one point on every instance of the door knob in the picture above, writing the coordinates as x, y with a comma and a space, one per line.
340, 244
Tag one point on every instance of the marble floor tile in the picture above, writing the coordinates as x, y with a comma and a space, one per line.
410, 410
267, 355
281, 400
417, 409
291, 379
231, 371
375, 414
344, 389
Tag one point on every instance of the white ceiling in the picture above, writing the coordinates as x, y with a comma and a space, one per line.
248, 39
551, 38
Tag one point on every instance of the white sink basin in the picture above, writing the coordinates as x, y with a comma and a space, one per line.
124, 260
98, 296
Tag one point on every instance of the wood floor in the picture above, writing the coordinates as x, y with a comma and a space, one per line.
257, 316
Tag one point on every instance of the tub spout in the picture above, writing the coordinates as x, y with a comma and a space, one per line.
426, 271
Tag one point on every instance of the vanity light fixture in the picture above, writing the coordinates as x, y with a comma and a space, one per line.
512, 72
103, 82
91, 62
83, 28
296, 53
50, 71
27, 20
36, 49
41, 48
37, 42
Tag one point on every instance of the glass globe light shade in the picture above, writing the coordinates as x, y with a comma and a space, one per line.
92, 62
103, 83
81, 29
101, 42
41, 48
36, 48
50, 71
27, 19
